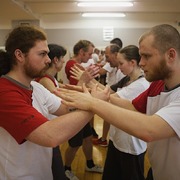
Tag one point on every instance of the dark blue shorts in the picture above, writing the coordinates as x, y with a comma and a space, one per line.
77, 140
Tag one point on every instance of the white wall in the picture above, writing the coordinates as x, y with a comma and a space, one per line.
132, 20
69, 37
66, 30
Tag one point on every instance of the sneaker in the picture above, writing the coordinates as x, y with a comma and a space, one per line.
100, 142
70, 175
96, 168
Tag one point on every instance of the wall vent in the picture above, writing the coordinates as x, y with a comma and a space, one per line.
108, 33
25, 22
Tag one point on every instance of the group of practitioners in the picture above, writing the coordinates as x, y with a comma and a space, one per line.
125, 156
37, 114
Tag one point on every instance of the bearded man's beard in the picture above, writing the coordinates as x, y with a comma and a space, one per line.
160, 72
33, 73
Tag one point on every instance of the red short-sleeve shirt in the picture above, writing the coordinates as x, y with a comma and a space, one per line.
17, 116
155, 89
68, 67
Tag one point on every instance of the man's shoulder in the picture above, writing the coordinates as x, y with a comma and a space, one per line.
71, 61
6, 83
157, 84
156, 87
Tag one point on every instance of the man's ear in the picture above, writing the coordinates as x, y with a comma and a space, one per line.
116, 53
171, 53
82, 53
19, 55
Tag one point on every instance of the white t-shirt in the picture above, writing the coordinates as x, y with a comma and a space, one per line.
113, 74
43, 100
164, 154
95, 57
90, 61
121, 140
51, 116
29, 161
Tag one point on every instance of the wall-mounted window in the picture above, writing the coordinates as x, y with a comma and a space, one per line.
108, 33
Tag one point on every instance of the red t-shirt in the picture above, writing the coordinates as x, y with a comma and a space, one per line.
68, 66
154, 89
17, 116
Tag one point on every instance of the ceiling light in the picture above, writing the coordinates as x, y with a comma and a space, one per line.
105, 4
103, 15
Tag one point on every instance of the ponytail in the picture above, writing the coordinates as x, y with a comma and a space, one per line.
4, 63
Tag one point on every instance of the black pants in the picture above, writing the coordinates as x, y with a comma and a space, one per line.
57, 165
150, 174
123, 166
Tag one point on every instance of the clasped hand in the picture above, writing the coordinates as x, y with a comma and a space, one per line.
82, 97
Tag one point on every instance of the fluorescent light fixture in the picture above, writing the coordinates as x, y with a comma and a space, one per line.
105, 4
103, 15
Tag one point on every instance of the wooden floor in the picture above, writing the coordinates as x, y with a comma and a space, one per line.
99, 154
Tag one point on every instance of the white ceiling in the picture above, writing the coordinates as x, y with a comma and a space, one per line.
48, 11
